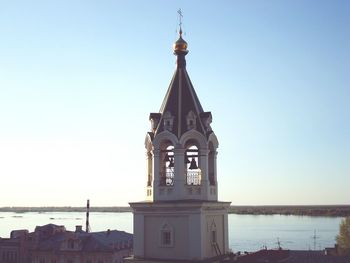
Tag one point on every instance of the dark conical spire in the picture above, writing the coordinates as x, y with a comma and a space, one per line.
181, 109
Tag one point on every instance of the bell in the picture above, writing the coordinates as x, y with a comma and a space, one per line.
166, 158
171, 164
193, 164
187, 160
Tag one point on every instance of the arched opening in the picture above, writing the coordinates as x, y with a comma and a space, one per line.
167, 164
192, 165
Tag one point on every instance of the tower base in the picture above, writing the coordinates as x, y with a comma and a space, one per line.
180, 231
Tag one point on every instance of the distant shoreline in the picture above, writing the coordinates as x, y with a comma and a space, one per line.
302, 210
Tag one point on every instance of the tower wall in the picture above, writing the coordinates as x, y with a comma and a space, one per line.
191, 225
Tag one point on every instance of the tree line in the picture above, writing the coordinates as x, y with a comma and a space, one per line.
320, 210
309, 210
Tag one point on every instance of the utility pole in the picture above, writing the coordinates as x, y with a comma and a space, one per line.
87, 227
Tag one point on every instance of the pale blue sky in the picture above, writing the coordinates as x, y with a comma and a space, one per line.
78, 80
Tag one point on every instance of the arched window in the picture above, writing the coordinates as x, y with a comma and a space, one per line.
166, 236
167, 164
168, 120
193, 172
191, 120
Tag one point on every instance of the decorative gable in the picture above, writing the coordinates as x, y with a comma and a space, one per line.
206, 118
154, 118
191, 120
168, 121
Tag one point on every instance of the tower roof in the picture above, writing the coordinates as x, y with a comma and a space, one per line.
181, 103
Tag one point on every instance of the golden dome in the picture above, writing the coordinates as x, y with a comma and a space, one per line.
180, 44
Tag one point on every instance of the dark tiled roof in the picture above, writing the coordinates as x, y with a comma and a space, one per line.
180, 99
313, 257
52, 243
105, 240
91, 242
47, 227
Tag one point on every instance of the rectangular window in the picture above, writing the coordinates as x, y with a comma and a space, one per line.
166, 238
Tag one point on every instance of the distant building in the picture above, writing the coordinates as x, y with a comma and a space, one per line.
54, 244
9, 250
15, 248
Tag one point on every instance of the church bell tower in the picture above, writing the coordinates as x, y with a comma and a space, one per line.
181, 218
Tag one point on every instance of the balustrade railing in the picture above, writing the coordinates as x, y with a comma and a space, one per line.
167, 178
193, 177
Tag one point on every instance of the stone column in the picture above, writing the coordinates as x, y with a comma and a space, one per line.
150, 182
156, 173
226, 239
215, 175
203, 165
139, 246
195, 236
179, 173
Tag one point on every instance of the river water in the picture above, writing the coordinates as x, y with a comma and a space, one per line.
246, 232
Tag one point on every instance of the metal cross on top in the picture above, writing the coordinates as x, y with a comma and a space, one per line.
180, 17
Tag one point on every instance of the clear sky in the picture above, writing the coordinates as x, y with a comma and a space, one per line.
78, 80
